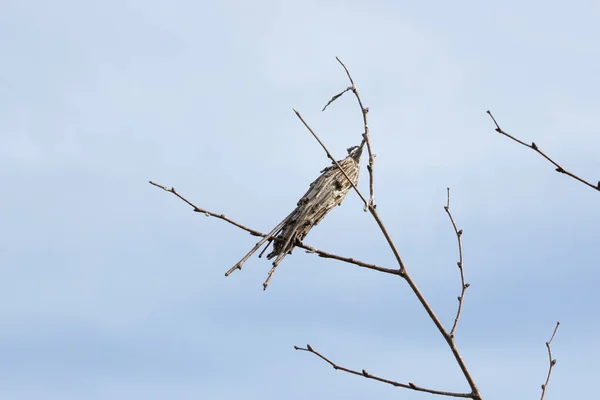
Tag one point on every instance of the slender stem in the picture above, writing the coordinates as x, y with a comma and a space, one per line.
368, 375
449, 339
370, 206
331, 157
253, 232
464, 285
366, 137
534, 147
551, 361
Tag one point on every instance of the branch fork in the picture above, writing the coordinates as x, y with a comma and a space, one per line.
401, 270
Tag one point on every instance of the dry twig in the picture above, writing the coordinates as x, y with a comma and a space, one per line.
552, 361
284, 242
366, 138
370, 206
368, 375
464, 285
534, 147
253, 232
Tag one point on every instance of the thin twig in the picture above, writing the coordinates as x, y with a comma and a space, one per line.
336, 96
369, 207
253, 232
464, 285
402, 270
447, 337
552, 361
348, 260
366, 137
331, 157
534, 147
368, 375
208, 213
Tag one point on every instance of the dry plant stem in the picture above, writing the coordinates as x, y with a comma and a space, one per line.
460, 266
551, 360
254, 232
368, 206
534, 147
331, 157
207, 213
404, 274
367, 375
447, 337
364, 111
349, 260
366, 138
255, 249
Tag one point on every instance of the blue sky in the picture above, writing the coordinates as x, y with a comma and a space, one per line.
113, 289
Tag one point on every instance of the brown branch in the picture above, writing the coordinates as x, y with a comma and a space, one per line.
534, 147
447, 337
331, 157
368, 206
336, 96
402, 270
348, 260
208, 213
464, 285
367, 375
552, 361
324, 254
366, 138
253, 232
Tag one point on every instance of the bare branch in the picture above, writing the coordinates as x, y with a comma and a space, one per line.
331, 157
464, 285
402, 270
551, 361
534, 147
366, 138
367, 375
253, 232
371, 208
336, 96
344, 259
208, 213
348, 260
